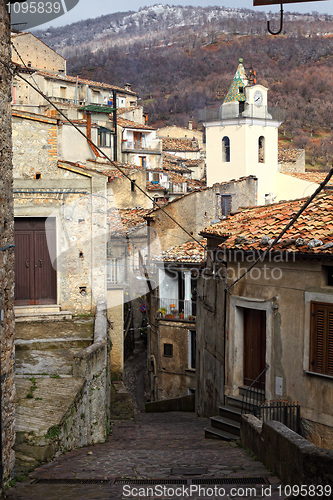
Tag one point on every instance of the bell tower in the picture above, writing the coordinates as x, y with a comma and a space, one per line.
244, 140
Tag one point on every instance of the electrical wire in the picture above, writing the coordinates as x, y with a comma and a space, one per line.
14, 72
285, 229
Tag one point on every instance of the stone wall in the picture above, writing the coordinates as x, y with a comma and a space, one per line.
294, 459
7, 324
37, 54
93, 365
197, 210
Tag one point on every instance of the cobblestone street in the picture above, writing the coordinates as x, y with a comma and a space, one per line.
164, 449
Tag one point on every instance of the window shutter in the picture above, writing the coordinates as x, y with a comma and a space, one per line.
330, 344
321, 347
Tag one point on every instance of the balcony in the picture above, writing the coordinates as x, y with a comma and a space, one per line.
111, 271
176, 309
149, 147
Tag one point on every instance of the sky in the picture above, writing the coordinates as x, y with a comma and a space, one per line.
90, 9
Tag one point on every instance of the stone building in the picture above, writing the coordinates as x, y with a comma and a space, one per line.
173, 263
7, 324
273, 328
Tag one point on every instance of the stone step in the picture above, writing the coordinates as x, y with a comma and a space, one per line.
225, 424
52, 343
259, 392
42, 316
33, 308
231, 412
213, 433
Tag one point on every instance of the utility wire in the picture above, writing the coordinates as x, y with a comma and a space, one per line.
15, 72
285, 229
29, 69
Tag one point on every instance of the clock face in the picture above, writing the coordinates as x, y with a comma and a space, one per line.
258, 98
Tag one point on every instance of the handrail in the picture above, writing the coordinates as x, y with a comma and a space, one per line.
253, 395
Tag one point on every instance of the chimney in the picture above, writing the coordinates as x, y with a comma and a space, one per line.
190, 125
128, 86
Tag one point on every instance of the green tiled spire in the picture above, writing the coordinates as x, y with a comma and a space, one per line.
239, 81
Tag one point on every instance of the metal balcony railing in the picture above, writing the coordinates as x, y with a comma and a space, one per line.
185, 309
111, 270
141, 145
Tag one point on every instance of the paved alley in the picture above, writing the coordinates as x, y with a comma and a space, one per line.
164, 449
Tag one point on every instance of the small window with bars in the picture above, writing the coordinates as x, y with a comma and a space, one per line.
168, 350
321, 338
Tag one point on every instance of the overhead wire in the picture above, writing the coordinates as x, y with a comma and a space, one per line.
285, 229
14, 71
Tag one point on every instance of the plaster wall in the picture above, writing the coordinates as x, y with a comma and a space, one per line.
244, 136
122, 196
289, 188
274, 287
175, 377
37, 54
115, 314
81, 235
196, 211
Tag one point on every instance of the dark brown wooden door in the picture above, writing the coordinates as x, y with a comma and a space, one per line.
35, 278
254, 346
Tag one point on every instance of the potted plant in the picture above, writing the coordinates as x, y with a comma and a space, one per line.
181, 315
162, 312
191, 318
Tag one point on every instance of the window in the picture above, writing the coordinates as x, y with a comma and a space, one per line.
104, 138
192, 349
225, 149
225, 204
328, 275
168, 350
143, 160
156, 177
321, 338
63, 92
261, 149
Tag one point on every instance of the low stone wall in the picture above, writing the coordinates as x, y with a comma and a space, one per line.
293, 458
93, 365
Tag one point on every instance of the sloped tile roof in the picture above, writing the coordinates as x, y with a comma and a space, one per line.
72, 79
190, 252
121, 111
125, 220
107, 169
180, 145
154, 187
289, 155
255, 228
123, 122
316, 177
174, 163
239, 81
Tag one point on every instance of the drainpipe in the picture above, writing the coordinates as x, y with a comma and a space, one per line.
115, 142
225, 324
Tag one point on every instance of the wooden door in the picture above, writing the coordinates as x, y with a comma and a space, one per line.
137, 139
35, 278
254, 346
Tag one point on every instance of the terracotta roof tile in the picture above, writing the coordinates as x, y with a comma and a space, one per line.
254, 228
123, 122
72, 79
190, 252
124, 220
316, 177
180, 145
289, 155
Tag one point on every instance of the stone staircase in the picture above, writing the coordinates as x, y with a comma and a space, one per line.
226, 425
34, 313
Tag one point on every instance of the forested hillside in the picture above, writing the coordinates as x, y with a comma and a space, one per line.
181, 61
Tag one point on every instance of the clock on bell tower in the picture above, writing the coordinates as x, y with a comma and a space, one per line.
244, 140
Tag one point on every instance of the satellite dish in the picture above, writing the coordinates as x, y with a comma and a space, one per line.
28, 14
